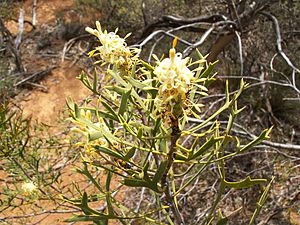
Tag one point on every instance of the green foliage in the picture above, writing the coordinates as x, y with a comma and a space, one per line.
27, 171
140, 131
6, 82
6, 11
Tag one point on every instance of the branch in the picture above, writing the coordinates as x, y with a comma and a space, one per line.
11, 46
279, 47
172, 21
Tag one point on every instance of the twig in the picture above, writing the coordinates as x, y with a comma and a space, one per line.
70, 43
37, 214
240, 52
36, 74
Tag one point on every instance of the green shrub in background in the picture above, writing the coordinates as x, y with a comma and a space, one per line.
27, 172
141, 129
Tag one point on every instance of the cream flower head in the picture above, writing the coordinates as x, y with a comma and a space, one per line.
29, 187
175, 79
114, 49
173, 71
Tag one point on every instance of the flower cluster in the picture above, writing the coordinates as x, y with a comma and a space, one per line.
29, 187
114, 49
175, 79
92, 131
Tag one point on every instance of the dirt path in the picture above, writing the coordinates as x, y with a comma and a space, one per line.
46, 107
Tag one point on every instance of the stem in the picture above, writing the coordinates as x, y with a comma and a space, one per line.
176, 132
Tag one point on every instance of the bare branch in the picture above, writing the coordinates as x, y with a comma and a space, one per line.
11, 46
34, 4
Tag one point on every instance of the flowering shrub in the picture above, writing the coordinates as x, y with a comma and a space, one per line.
140, 129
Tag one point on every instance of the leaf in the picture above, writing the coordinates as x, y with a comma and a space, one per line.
246, 183
95, 135
109, 152
145, 171
135, 182
208, 70
206, 146
261, 201
81, 218
123, 105
222, 220
115, 74
111, 111
160, 172
136, 83
256, 141
95, 82
129, 154
147, 66
108, 198
140, 133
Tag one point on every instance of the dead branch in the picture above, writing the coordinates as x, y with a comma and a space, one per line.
35, 76
172, 21
70, 43
34, 12
279, 48
11, 46
18, 39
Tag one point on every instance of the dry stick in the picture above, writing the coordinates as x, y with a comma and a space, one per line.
18, 39
34, 12
70, 43
240, 51
39, 73
11, 46
279, 47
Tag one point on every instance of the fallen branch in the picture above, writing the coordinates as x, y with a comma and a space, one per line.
35, 76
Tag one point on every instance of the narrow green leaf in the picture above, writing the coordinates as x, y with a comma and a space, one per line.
160, 172
135, 183
76, 111
117, 89
246, 183
256, 141
109, 152
261, 201
124, 100
157, 126
136, 83
95, 82
140, 133
130, 154
115, 74
108, 198
206, 146
111, 111
82, 218
147, 66
222, 220
95, 135
208, 70
145, 171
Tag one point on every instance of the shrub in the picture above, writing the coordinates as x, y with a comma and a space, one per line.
141, 129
